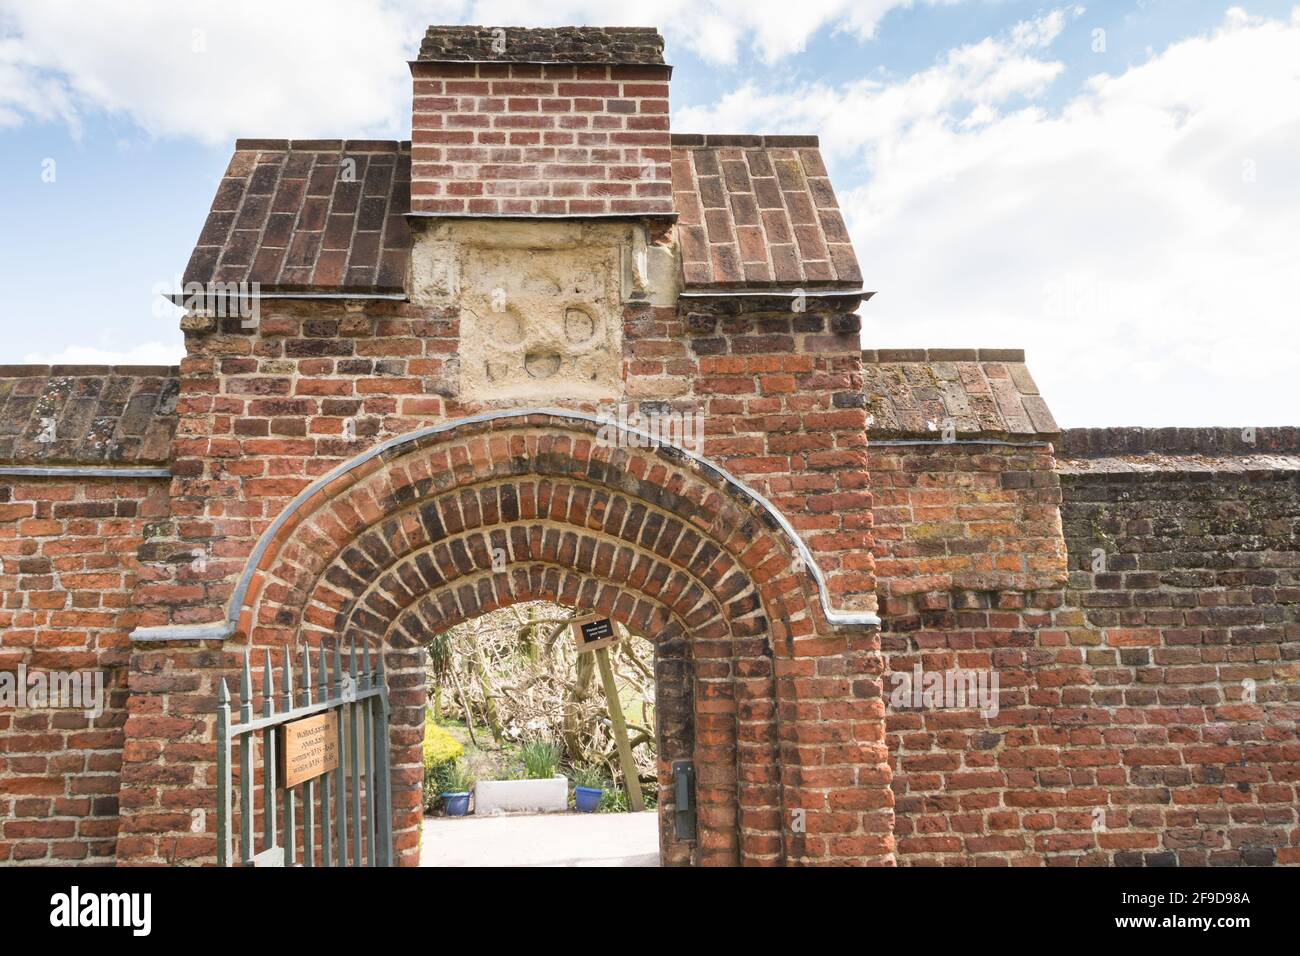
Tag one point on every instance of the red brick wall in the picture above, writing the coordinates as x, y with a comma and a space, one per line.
67, 568
1196, 622
1125, 733
782, 397
1122, 737
970, 563
981, 517
529, 139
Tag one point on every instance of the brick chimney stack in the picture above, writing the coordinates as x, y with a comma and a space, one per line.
565, 122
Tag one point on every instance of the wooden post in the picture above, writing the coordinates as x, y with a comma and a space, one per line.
630, 779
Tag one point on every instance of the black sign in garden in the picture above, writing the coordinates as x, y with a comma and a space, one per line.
590, 633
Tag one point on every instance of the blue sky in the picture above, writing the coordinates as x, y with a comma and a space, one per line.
1112, 186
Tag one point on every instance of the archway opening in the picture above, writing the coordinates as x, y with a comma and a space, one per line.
525, 747
462, 520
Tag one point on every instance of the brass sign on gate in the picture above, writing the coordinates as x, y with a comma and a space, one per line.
593, 632
308, 748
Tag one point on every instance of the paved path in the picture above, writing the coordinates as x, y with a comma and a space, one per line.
542, 839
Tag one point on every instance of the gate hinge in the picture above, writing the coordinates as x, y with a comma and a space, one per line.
684, 799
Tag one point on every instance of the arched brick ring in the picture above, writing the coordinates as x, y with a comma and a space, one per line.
691, 588
579, 503
653, 589
315, 528
360, 594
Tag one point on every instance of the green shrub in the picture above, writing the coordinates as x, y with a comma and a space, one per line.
541, 759
442, 753
433, 786
439, 745
613, 800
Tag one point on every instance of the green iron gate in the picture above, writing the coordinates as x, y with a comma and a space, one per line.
346, 812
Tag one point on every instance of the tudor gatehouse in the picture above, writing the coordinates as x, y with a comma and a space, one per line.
429, 418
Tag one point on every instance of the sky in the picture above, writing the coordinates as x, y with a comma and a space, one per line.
1112, 186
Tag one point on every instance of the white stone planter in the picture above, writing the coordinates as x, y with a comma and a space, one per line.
515, 796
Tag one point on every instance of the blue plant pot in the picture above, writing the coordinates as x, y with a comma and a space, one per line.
456, 804
587, 799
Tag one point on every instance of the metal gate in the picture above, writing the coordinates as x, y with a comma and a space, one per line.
346, 812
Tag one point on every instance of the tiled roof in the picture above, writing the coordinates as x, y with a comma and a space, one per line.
757, 212
636, 45
319, 216
984, 393
87, 415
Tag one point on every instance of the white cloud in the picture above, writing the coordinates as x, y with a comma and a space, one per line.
871, 118
774, 28
217, 69
1140, 241
146, 353
28, 91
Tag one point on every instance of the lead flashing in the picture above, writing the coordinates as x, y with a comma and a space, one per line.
80, 471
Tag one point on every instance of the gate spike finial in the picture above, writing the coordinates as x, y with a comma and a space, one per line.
223, 693
268, 685
306, 673
288, 679
246, 690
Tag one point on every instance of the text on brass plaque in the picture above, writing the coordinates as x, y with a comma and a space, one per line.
308, 748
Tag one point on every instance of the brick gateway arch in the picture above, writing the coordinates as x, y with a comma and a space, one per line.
423, 417
416, 428
447, 523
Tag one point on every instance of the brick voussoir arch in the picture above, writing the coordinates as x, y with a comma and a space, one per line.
482, 592
619, 530
387, 566
324, 515
641, 539
364, 519
372, 612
